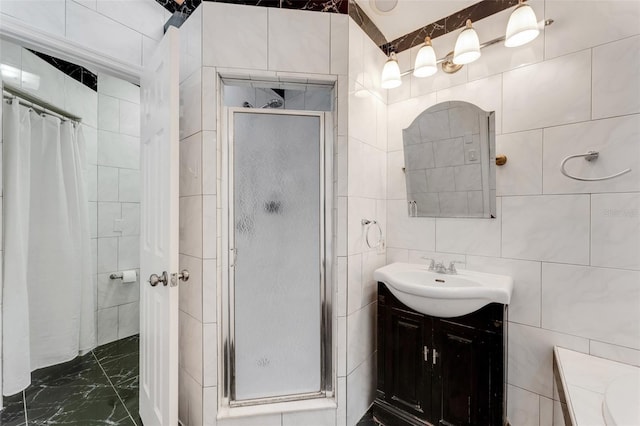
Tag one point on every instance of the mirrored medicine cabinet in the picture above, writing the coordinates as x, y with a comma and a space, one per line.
449, 157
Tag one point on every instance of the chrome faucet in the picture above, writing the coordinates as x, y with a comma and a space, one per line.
439, 267
432, 264
452, 267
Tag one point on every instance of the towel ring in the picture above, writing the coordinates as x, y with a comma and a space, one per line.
367, 223
589, 156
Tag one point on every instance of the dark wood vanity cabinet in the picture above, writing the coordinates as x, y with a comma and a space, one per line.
440, 371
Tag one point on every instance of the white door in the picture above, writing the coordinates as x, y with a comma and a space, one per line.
159, 236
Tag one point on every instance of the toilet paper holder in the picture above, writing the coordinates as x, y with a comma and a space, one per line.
125, 276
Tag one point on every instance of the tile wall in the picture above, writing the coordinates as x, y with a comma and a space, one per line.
365, 197
133, 27
117, 202
572, 247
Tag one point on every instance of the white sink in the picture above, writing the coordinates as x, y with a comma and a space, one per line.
444, 295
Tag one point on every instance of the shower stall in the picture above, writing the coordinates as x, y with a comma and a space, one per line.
277, 291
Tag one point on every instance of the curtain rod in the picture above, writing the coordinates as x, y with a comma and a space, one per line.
26, 99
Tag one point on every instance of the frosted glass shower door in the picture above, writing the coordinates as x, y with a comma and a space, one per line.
277, 227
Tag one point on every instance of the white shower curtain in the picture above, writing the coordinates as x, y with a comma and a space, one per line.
49, 290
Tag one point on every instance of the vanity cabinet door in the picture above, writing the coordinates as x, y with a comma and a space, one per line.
409, 387
467, 357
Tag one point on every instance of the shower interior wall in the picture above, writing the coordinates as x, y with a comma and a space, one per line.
110, 124
291, 46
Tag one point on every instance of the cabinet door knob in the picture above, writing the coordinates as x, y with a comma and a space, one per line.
434, 356
425, 352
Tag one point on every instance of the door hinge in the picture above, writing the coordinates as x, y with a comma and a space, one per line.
425, 352
434, 358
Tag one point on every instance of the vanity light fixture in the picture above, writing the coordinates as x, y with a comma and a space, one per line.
391, 73
467, 47
426, 61
522, 28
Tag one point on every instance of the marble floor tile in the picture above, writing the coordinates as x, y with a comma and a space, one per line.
13, 412
98, 388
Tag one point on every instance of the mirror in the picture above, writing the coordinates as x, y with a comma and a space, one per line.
449, 157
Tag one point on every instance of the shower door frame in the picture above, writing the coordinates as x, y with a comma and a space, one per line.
325, 231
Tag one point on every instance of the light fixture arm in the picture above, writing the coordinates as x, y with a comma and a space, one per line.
447, 58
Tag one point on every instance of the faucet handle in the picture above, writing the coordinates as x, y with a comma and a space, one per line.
432, 264
452, 266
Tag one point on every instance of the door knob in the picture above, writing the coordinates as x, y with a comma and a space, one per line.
154, 279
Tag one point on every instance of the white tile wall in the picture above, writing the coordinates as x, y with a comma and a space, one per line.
524, 407
367, 177
470, 236
615, 230
108, 183
615, 88
191, 165
81, 101
109, 113
485, 93
112, 293
209, 291
107, 254
527, 284
190, 349
107, 325
191, 105
191, 44
361, 336
117, 88
44, 80
145, 16
86, 27
403, 231
531, 356
191, 295
360, 390
129, 185
210, 406
339, 49
613, 352
546, 94
128, 319
47, 15
210, 362
249, 28
580, 24
605, 293
613, 138
549, 227
522, 175
191, 226
118, 195
190, 407
311, 42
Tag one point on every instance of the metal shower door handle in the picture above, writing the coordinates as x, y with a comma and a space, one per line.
154, 279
